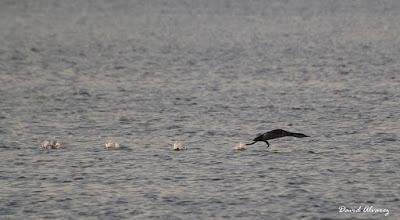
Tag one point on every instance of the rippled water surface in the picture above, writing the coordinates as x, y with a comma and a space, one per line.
210, 74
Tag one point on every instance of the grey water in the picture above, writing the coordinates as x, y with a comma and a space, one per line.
210, 74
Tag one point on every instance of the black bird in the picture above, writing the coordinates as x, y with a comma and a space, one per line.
277, 133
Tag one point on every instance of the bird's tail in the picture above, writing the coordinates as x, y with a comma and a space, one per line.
252, 143
299, 135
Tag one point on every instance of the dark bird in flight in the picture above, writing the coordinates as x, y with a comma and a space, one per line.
277, 133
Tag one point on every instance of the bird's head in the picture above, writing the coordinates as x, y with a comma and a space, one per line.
303, 135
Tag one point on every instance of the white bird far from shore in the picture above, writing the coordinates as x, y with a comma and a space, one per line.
178, 146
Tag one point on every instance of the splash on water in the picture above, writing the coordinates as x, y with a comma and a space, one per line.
51, 144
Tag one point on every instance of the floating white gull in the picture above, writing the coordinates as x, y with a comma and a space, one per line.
179, 146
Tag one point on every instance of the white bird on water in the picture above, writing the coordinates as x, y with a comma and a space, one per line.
240, 146
110, 145
51, 144
178, 146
